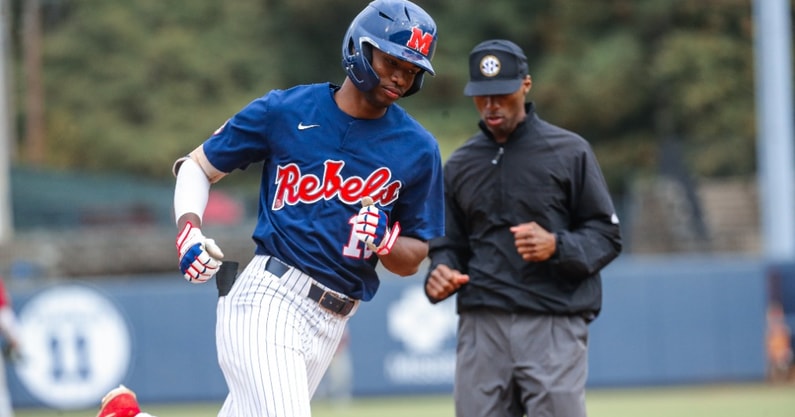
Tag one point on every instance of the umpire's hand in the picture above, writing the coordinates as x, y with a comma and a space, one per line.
443, 282
533, 242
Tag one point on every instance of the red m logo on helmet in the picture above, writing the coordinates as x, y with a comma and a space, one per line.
420, 41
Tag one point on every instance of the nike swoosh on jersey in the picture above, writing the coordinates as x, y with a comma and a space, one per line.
302, 126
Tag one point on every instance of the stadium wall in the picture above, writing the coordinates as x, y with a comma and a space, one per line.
665, 320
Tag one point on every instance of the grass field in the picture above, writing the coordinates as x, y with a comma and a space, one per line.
757, 400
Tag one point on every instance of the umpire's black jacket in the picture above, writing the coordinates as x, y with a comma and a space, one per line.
544, 174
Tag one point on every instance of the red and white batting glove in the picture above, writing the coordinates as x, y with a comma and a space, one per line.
372, 228
199, 257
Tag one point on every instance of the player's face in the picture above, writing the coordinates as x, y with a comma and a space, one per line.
502, 113
396, 76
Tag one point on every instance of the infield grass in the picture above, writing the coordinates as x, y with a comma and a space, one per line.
746, 400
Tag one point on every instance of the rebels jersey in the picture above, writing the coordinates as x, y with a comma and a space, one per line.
318, 163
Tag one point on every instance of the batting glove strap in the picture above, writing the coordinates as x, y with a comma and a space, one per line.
199, 257
372, 228
389, 239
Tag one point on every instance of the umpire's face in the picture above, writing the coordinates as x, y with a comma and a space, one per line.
502, 113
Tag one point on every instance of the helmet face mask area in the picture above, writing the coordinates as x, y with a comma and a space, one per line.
398, 28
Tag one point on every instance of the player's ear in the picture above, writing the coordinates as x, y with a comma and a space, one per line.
527, 84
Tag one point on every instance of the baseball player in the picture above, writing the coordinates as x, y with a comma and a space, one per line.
348, 179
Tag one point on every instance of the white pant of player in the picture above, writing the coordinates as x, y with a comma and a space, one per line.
5, 395
274, 343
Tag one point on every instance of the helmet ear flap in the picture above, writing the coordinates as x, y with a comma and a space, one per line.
357, 64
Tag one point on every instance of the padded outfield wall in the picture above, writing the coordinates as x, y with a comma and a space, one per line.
665, 321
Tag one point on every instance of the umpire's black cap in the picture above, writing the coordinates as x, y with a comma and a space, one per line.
496, 67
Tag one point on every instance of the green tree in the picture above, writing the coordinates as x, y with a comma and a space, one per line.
131, 85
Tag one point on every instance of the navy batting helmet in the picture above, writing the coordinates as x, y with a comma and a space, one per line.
399, 28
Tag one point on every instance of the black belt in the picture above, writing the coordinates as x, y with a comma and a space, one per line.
327, 299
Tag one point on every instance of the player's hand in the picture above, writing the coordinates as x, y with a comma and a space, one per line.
199, 257
443, 282
372, 228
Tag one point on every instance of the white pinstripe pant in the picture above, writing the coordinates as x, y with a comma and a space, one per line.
274, 343
5, 395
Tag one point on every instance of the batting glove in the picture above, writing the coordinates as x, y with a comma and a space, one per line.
372, 228
199, 257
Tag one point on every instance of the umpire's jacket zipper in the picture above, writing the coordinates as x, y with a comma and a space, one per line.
497, 157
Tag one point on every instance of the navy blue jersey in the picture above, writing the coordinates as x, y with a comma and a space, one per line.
318, 163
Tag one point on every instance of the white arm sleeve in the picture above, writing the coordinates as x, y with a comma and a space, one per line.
192, 190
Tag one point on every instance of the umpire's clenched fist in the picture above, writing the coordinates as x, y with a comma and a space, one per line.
533, 242
443, 282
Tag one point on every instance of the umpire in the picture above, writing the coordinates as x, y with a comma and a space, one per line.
529, 225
